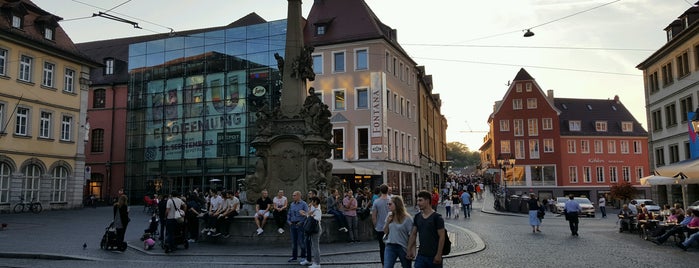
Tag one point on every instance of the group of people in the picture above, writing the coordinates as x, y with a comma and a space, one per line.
669, 222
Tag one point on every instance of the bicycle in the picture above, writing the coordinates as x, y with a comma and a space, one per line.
33, 206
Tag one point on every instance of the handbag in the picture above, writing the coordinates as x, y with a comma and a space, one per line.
311, 226
179, 214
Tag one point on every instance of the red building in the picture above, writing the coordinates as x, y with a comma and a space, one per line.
563, 146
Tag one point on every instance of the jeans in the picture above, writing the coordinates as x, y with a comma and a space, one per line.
604, 211
422, 261
691, 239
315, 247
382, 246
573, 222
279, 218
448, 211
467, 210
171, 228
352, 226
297, 240
394, 251
339, 217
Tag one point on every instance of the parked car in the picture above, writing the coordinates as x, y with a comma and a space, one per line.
651, 206
694, 205
587, 208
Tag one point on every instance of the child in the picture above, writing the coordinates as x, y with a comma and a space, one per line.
456, 200
447, 204
148, 243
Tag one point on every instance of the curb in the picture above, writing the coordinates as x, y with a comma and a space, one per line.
43, 256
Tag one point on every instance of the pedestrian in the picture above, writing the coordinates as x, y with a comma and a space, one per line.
172, 226
534, 220
315, 212
456, 201
311, 194
262, 207
295, 222
447, 206
397, 233
162, 204
379, 212
193, 212
603, 206
435, 200
121, 220
466, 204
232, 205
572, 209
279, 212
429, 226
349, 208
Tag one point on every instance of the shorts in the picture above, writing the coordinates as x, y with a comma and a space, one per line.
262, 213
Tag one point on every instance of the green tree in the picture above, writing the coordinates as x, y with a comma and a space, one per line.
462, 155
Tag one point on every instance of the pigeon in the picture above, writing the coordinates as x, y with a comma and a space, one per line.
84, 246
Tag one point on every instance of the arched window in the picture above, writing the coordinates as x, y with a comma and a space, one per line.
59, 184
4, 182
99, 98
97, 141
30, 189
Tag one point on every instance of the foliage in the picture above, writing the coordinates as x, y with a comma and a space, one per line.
623, 191
461, 155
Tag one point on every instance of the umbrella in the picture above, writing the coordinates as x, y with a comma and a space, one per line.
658, 180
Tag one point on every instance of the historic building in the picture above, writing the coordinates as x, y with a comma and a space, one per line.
43, 104
670, 76
563, 146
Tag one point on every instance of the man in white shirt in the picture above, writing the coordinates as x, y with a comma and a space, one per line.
171, 225
603, 206
215, 208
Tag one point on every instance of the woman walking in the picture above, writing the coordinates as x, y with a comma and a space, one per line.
534, 220
121, 220
315, 212
397, 231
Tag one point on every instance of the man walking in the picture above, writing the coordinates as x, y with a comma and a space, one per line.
429, 226
572, 209
603, 206
379, 212
466, 202
296, 226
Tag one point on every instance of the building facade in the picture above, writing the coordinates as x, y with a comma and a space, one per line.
670, 88
43, 104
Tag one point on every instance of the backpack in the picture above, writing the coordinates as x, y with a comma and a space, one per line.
446, 249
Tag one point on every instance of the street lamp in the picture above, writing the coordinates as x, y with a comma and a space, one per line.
504, 163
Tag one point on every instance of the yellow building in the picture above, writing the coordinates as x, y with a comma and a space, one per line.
43, 104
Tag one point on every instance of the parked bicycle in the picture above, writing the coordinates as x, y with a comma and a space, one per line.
22, 206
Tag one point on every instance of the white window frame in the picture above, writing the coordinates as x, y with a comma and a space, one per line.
534, 152
626, 126
518, 125
66, 127
531, 103
549, 146
584, 146
613, 174
356, 58
573, 174
624, 147
601, 126
504, 125
356, 141
528, 87
637, 147
335, 101
2, 117
357, 103
344, 143
626, 173
3, 61
533, 127
547, 123
31, 182
518, 87
639, 173
587, 174
408, 111
4, 182
48, 33
505, 146
45, 124
25, 68
517, 104
22, 121
49, 74
16, 21
109, 66
519, 149
318, 69
600, 174
574, 125
572, 146
611, 147
599, 146
59, 185
344, 61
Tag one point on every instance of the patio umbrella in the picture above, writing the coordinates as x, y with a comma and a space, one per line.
658, 180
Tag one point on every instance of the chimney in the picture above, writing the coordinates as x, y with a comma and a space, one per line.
394, 35
616, 98
549, 94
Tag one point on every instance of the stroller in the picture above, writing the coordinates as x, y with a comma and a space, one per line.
109, 239
179, 238
153, 224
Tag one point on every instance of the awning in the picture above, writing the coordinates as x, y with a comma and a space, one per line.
342, 167
658, 180
687, 170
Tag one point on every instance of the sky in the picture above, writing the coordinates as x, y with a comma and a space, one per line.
472, 49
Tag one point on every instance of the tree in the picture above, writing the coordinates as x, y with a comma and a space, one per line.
623, 191
461, 155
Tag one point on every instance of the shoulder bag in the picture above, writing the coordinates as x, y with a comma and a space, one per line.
179, 214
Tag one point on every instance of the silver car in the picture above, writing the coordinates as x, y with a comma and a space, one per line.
651, 206
587, 208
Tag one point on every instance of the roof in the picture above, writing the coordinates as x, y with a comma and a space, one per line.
587, 111
677, 40
523, 75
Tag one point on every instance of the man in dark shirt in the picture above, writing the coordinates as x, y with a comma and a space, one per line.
429, 225
161, 215
263, 206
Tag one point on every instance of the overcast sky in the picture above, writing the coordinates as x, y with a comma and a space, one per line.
471, 48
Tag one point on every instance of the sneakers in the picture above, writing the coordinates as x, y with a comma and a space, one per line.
305, 262
260, 231
205, 230
343, 229
191, 240
314, 265
216, 234
292, 259
280, 231
682, 246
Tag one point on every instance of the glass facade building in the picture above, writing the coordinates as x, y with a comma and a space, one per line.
191, 106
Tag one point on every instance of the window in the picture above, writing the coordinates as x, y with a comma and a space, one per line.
626, 173
670, 115
3, 61
624, 147
22, 121
66, 128
48, 33
60, 184
599, 147
362, 98
571, 146
395, 103
626, 126
339, 103
505, 147
543, 175
99, 98
601, 126
400, 72
519, 127
17, 21
674, 153
683, 65
402, 106
653, 83
519, 149
388, 62
600, 174
573, 174
637, 147
667, 74
47, 78
388, 101
574, 125
388, 142
504, 125
318, 63
613, 176
403, 145
587, 174
548, 146
529, 87
45, 125
685, 107
395, 65
533, 127
320, 29
2, 118
611, 147
657, 120
659, 157
361, 59
363, 143
338, 62
639, 173
396, 144
517, 104
109, 66
687, 150
585, 146
547, 124
408, 111
518, 88
534, 149
531, 103
68, 85
4, 182
30, 185
98, 141
25, 68
696, 56
339, 140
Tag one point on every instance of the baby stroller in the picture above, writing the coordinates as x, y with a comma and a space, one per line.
153, 224
109, 239
180, 238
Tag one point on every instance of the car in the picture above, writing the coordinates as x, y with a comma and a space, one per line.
587, 208
650, 204
694, 205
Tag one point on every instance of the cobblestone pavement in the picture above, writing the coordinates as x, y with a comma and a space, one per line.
488, 239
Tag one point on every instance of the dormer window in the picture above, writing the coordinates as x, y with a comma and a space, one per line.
574, 125
601, 126
16, 21
109, 66
48, 33
320, 29
322, 26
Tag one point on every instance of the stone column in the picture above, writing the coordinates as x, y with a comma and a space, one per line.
294, 89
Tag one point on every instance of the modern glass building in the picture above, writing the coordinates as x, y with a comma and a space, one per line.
192, 104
